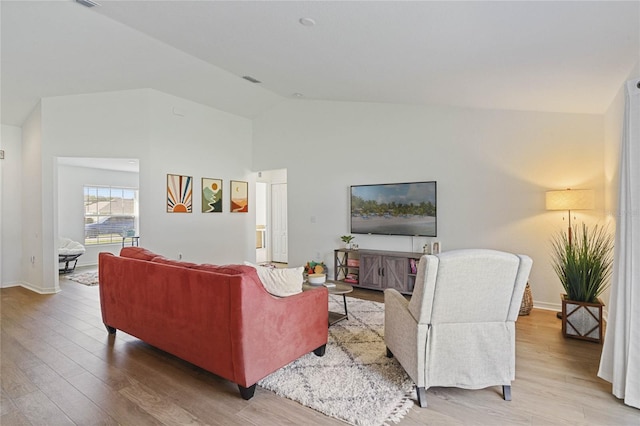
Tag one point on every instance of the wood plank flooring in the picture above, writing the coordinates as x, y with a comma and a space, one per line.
60, 367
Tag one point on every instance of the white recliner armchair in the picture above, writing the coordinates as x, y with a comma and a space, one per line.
458, 329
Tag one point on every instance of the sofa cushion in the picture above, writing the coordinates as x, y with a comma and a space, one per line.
280, 282
165, 261
137, 253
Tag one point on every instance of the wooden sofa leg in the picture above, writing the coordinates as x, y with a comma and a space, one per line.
389, 353
422, 396
110, 329
320, 351
247, 393
506, 392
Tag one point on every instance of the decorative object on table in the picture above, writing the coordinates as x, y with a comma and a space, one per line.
583, 265
527, 301
179, 194
313, 267
211, 195
436, 247
317, 279
239, 196
426, 249
354, 381
346, 239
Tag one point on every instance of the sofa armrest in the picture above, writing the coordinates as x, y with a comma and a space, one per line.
270, 332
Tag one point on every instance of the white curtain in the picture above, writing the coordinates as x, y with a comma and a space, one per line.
620, 361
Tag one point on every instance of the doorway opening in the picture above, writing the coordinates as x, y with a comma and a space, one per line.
271, 217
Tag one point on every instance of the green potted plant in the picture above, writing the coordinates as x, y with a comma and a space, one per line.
583, 264
347, 240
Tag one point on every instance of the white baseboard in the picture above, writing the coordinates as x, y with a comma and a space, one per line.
548, 306
29, 287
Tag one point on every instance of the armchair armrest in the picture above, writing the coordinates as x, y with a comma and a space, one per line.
404, 337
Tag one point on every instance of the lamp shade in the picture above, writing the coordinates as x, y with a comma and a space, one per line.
570, 199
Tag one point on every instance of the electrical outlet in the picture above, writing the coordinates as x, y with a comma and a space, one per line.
179, 256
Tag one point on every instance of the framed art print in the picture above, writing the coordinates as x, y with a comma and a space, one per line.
211, 195
239, 196
179, 194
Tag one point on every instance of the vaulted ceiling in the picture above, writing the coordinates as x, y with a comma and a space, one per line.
560, 56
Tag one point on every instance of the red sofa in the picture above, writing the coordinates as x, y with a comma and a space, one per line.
219, 318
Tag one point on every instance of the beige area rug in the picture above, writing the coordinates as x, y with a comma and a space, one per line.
89, 278
354, 381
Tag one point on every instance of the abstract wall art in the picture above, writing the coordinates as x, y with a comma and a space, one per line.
211, 195
239, 196
179, 194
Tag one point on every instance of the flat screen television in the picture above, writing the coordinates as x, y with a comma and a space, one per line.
394, 209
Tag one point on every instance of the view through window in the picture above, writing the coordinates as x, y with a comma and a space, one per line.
110, 213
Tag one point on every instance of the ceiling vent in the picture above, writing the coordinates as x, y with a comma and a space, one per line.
88, 3
251, 79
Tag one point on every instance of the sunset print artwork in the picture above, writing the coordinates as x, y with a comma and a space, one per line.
211, 195
239, 196
179, 194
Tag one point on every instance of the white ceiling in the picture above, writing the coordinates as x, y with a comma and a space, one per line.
555, 56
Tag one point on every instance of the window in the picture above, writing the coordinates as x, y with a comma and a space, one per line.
110, 213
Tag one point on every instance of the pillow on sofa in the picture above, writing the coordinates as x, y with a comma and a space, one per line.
280, 282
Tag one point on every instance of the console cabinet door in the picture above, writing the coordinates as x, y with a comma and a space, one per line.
370, 270
395, 272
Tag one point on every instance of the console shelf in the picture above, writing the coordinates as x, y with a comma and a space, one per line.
376, 269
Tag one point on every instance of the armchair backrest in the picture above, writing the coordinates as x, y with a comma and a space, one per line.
472, 285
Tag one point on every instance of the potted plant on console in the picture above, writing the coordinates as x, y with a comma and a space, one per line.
583, 264
347, 240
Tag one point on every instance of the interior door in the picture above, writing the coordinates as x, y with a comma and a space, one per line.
279, 232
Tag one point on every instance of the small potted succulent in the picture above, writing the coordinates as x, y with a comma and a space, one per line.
347, 240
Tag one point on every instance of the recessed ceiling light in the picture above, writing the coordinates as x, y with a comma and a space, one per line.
297, 95
307, 22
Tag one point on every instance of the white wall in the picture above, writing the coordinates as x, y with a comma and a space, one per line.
168, 135
492, 167
71, 181
190, 139
36, 209
11, 206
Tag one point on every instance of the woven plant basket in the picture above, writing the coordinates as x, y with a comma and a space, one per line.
527, 301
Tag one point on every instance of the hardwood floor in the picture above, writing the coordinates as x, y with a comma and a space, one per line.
60, 367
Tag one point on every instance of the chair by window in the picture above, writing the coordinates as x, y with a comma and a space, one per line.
458, 329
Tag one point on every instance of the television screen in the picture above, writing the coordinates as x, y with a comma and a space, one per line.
394, 209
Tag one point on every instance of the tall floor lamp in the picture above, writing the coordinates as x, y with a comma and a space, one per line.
570, 199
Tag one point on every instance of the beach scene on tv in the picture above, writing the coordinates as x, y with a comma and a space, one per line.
394, 209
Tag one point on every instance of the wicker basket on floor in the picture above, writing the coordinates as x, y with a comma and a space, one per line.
527, 301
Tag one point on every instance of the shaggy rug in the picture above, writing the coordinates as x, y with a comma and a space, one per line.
354, 381
86, 278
